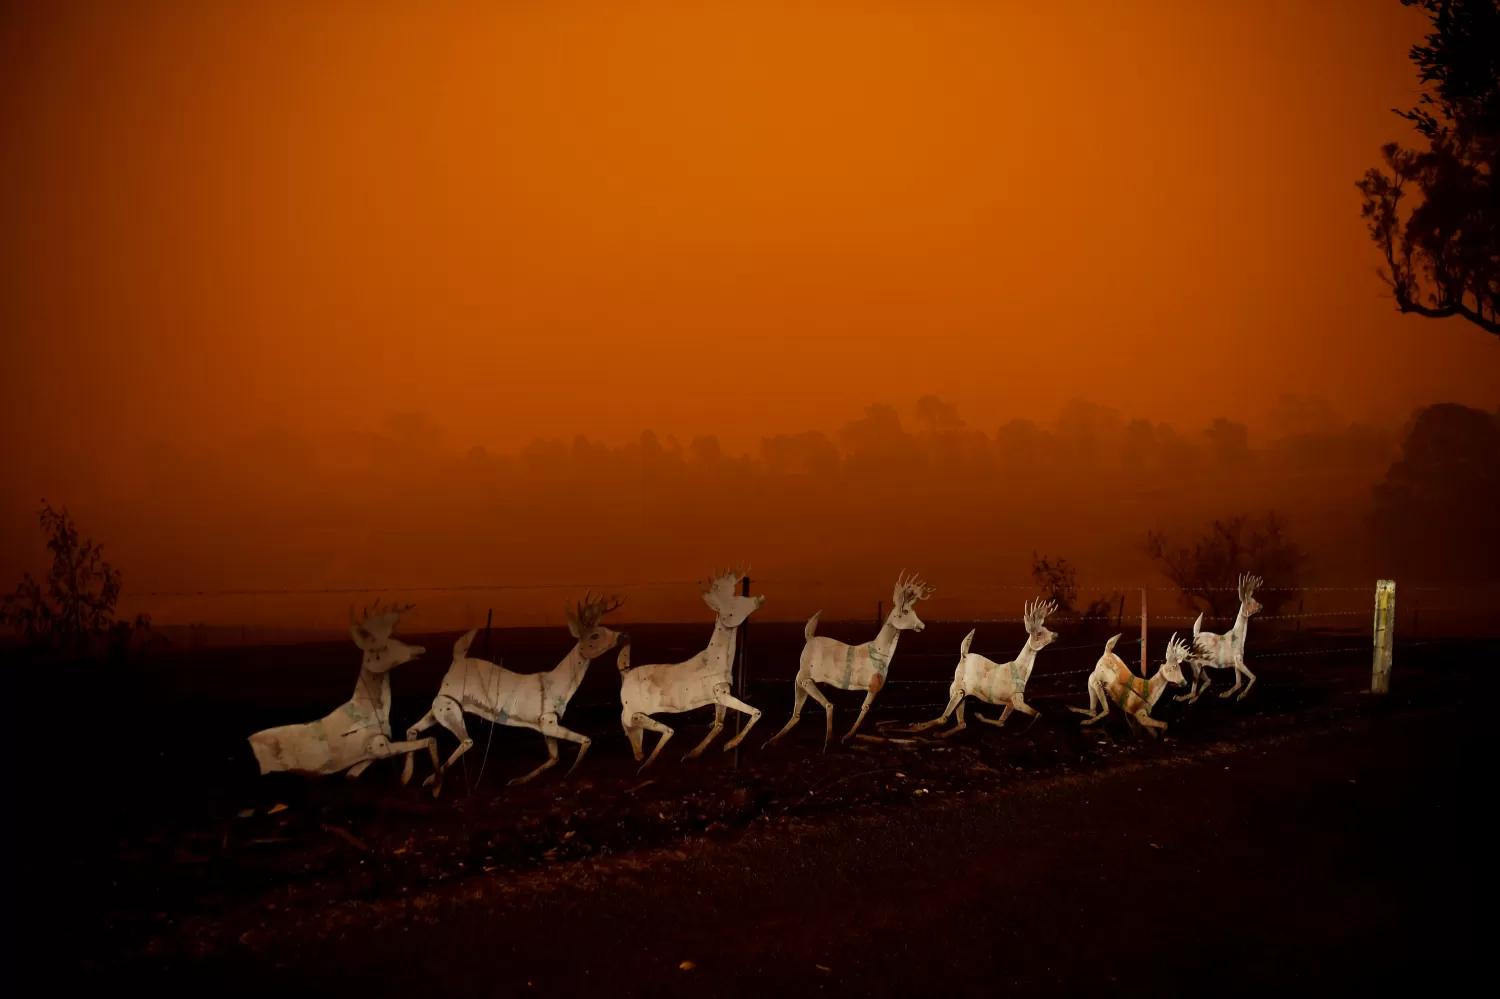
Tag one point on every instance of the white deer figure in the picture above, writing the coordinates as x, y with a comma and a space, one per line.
359, 732
1226, 651
521, 700
996, 683
1113, 681
707, 678
853, 667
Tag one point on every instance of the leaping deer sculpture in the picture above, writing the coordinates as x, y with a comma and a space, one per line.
521, 700
1112, 681
359, 732
996, 683
1226, 651
707, 678
853, 667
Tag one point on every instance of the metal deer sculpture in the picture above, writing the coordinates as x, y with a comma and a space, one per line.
996, 683
1112, 681
853, 667
522, 700
1226, 651
707, 678
359, 732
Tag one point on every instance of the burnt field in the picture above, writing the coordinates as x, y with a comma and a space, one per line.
146, 839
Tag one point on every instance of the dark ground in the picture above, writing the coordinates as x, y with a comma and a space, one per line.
1339, 847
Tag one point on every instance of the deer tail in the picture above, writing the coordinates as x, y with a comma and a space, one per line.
812, 626
1109, 646
461, 647
623, 660
1197, 626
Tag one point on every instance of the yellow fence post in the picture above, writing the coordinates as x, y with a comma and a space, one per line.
1385, 629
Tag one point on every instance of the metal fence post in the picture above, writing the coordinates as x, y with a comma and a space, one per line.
1144, 661
1385, 626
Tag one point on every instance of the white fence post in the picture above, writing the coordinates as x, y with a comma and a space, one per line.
1385, 628
1143, 635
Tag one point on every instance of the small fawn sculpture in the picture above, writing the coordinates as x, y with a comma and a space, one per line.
853, 667
359, 732
707, 678
1112, 682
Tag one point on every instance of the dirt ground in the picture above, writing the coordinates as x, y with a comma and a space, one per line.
147, 845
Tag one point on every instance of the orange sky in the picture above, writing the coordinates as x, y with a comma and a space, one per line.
541, 219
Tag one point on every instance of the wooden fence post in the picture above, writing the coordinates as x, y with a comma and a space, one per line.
741, 667
488, 617
879, 617
1143, 634
1120, 615
1385, 626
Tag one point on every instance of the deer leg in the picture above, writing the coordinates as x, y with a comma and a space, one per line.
426, 723
635, 733
953, 703
724, 697
864, 708
1151, 725
551, 727
1096, 690
353, 772
451, 717
1093, 709
961, 724
718, 727
1239, 664
413, 746
547, 764
811, 686
1238, 680
642, 720
799, 699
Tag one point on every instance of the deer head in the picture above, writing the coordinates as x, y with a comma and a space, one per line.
1036, 612
721, 597
1177, 653
373, 635
1248, 604
909, 590
594, 639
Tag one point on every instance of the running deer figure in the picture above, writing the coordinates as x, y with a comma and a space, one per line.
521, 700
996, 683
1113, 681
853, 667
704, 679
1226, 651
359, 732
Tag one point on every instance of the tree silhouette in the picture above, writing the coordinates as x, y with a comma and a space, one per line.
1435, 511
1442, 256
1207, 573
76, 602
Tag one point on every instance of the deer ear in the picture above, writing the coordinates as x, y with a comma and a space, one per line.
713, 604
575, 628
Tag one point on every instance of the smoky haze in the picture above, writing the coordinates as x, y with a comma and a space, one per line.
238, 241
826, 518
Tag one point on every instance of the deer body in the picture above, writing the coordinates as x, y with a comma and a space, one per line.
1113, 682
358, 732
852, 667
705, 679
996, 683
1226, 651
521, 700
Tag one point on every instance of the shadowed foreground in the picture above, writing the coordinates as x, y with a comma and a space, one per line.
1328, 856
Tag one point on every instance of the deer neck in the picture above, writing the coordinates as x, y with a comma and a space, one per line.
372, 696
1025, 660
885, 642
567, 675
720, 651
1241, 625
1155, 687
